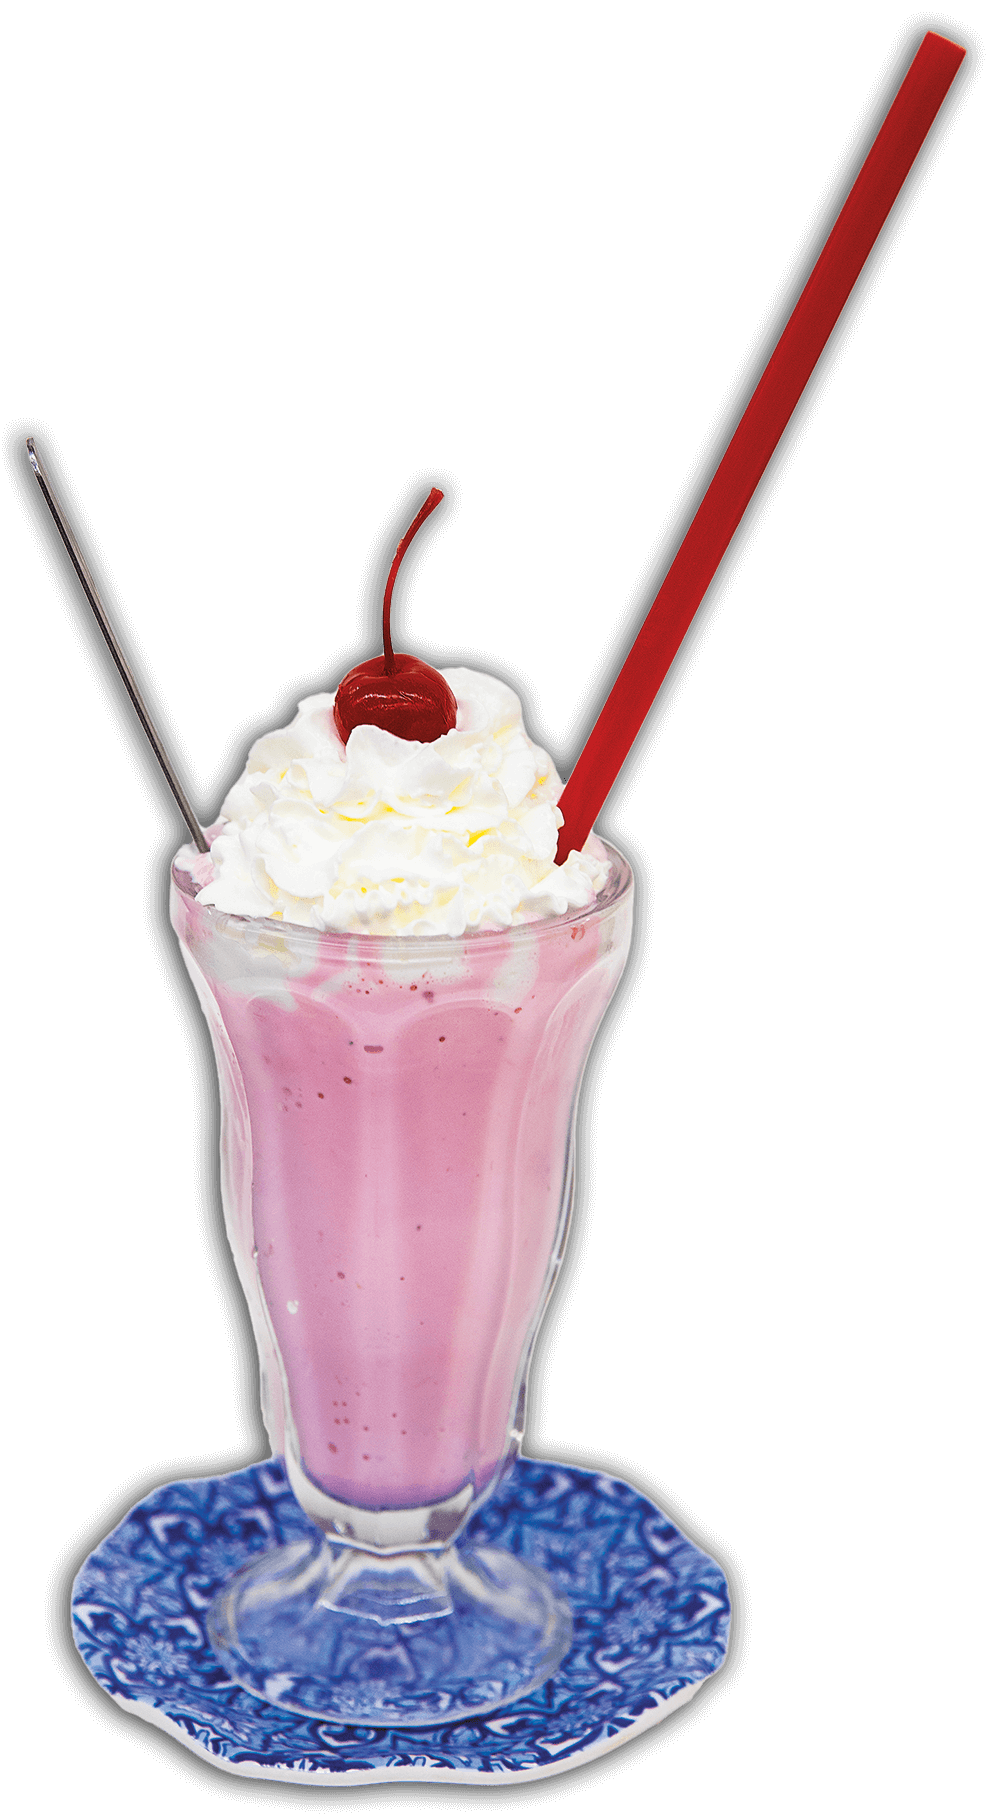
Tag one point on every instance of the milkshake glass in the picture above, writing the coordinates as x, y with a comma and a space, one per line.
397, 1162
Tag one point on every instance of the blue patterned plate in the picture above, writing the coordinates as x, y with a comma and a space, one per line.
651, 1624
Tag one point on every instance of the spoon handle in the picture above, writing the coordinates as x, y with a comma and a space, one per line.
96, 605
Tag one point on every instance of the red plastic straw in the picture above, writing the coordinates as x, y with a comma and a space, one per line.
833, 277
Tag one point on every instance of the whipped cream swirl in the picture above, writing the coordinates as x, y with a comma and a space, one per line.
386, 836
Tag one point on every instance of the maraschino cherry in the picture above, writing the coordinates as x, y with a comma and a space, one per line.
399, 693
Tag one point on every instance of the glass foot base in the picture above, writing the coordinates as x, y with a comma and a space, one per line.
393, 1640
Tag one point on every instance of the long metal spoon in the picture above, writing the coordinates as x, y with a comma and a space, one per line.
96, 605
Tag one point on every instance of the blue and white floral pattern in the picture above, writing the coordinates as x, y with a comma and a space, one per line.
651, 1620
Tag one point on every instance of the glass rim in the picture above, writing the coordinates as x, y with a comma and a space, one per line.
618, 887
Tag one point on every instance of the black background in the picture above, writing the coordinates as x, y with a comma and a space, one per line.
253, 342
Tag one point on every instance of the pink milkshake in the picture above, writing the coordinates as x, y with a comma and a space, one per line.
402, 988
398, 1127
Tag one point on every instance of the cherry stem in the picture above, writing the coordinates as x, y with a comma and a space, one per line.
431, 503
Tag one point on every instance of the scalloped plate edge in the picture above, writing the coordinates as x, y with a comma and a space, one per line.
245, 1769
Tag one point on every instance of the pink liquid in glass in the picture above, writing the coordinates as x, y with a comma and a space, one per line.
397, 1148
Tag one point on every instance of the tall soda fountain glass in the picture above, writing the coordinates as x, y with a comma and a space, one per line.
397, 1165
